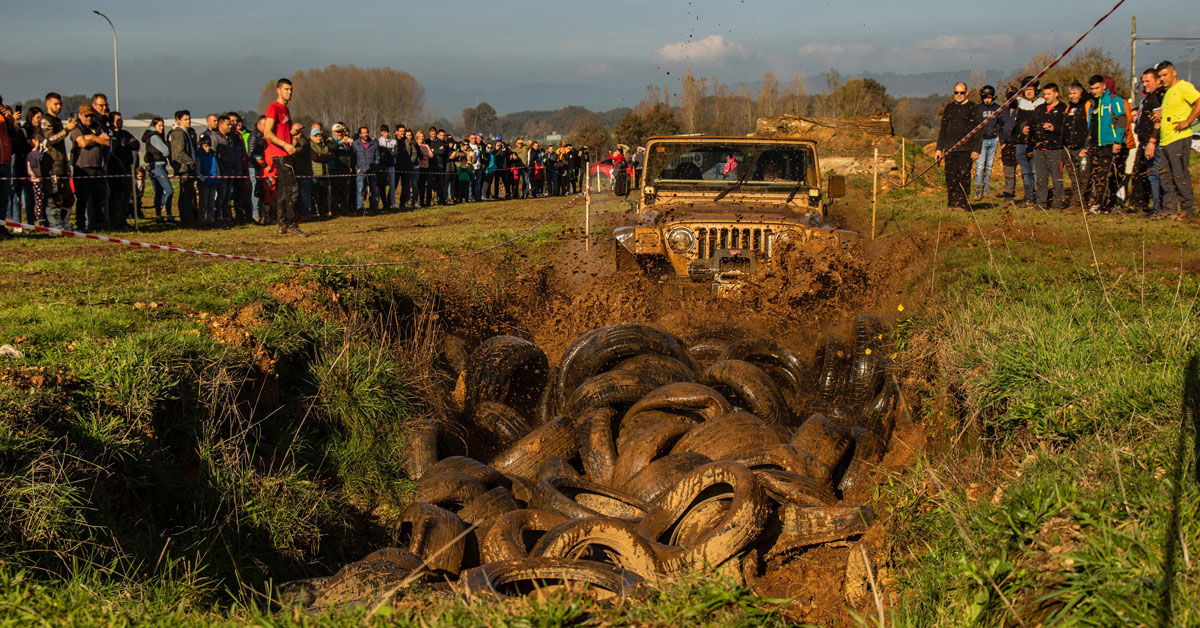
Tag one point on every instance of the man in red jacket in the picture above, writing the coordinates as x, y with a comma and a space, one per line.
277, 131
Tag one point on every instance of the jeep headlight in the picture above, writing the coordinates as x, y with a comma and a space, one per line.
788, 235
681, 239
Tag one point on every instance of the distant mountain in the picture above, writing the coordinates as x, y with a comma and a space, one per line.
450, 101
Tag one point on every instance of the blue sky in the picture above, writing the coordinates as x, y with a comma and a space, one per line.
536, 53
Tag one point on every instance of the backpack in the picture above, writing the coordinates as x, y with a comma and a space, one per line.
621, 183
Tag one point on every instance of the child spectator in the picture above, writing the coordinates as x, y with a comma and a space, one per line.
206, 175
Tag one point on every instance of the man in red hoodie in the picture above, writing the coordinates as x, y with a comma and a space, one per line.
277, 131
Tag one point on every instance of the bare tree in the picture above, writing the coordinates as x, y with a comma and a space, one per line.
357, 96
768, 96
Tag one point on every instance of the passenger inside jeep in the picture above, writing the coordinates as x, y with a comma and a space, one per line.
681, 165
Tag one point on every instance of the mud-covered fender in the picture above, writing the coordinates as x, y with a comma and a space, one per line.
639, 240
626, 237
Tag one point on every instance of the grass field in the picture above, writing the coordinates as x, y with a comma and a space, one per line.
183, 428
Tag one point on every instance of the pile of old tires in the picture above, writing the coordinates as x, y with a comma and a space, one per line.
638, 458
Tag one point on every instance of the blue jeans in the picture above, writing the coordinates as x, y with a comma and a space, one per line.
387, 183
1155, 183
365, 181
255, 210
983, 165
224, 195
414, 184
162, 188
304, 207
477, 184
1029, 183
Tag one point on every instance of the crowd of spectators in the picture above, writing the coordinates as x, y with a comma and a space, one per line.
1119, 157
90, 164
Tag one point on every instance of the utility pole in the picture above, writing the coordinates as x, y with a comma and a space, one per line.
116, 76
1191, 50
1133, 61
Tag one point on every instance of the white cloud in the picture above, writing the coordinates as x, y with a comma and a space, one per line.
711, 48
979, 49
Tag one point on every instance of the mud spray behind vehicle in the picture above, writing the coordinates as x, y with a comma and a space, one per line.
714, 211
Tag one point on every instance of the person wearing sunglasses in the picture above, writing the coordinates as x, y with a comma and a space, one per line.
958, 119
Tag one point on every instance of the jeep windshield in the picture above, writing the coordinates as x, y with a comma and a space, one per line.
715, 166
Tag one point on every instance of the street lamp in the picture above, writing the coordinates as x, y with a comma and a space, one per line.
116, 76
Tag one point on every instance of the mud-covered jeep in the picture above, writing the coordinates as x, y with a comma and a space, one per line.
716, 210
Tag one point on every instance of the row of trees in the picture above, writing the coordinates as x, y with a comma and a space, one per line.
357, 96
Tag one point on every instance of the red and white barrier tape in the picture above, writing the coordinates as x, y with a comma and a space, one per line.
248, 258
151, 175
1019, 92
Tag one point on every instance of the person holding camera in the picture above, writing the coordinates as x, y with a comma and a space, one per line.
53, 134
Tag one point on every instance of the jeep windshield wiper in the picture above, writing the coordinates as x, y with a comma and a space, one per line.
792, 194
749, 167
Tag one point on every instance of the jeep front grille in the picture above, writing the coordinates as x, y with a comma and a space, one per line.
711, 240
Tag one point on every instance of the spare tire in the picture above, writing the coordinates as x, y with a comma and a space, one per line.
430, 532
597, 449
661, 369
751, 386
646, 446
662, 475
602, 540
601, 349
834, 368
581, 498
741, 522
514, 533
727, 436
612, 389
507, 369
520, 577
497, 426
555, 438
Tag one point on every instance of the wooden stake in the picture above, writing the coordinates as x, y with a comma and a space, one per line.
874, 191
903, 163
587, 211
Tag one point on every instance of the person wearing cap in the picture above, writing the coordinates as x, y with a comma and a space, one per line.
958, 119
1180, 109
1106, 141
321, 156
341, 191
89, 143
991, 139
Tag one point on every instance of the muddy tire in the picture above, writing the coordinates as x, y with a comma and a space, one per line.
514, 533
522, 489
601, 539
749, 386
709, 342
485, 510
359, 582
454, 355
804, 526
554, 466
684, 398
509, 370
834, 361
631, 424
448, 490
603, 348
486, 475
727, 436
788, 371
877, 412
661, 475
581, 498
422, 449
520, 577
597, 448
739, 524
661, 369
617, 390
825, 440
397, 555
497, 426
555, 438
430, 532
780, 457
646, 446
869, 449
788, 487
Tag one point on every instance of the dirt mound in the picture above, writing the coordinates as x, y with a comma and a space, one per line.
849, 137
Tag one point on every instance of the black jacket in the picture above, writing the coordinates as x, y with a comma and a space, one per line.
1144, 128
1075, 125
1055, 116
992, 129
153, 155
957, 121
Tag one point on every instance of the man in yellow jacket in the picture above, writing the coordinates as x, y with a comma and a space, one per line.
1180, 108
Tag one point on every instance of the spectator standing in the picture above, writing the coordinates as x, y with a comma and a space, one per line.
487, 160
103, 122
8, 133
183, 161
1008, 147
88, 143
1106, 139
437, 164
958, 118
1075, 134
37, 180
20, 143
341, 188
477, 168
122, 164
1180, 109
1027, 103
404, 153
991, 139
52, 138
521, 153
366, 161
387, 166
207, 172
261, 212
423, 189
156, 160
227, 166
277, 131
303, 159
321, 156
1046, 134
235, 207
1146, 193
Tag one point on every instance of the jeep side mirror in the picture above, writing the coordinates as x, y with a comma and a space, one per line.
837, 186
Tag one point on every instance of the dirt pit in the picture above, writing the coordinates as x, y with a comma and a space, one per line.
603, 431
